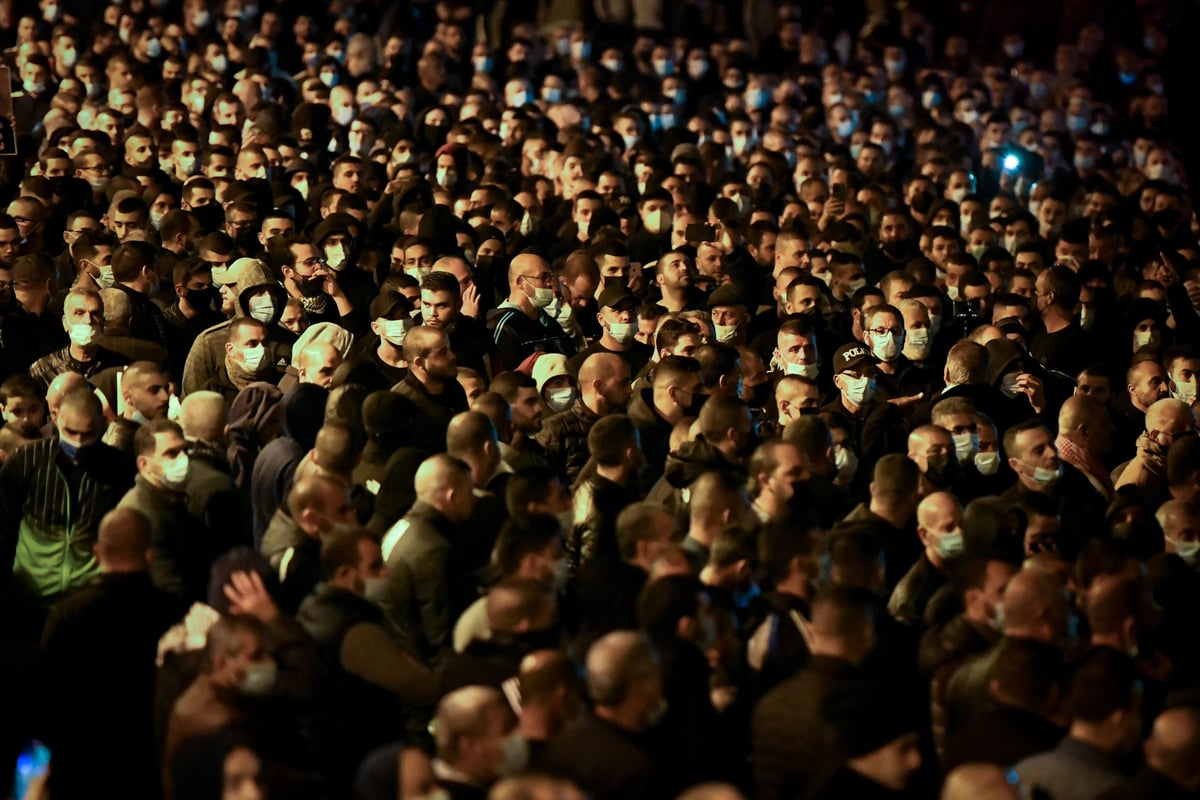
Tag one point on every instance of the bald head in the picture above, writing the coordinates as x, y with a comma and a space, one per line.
526, 265
616, 663
204, 416
464, 712
442, 481
421, 341
63, 384
1035, 606
924, 436
1169, 416
600, 367
118, 311
1077, 411
519, 605
1179, 520
123, 542
937, 509
1173, 748
316, 363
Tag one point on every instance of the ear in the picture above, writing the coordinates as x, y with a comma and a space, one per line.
1012, 464
142, 461
228, 349
180, 290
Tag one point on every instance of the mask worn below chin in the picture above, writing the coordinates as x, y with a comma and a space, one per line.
1046, 477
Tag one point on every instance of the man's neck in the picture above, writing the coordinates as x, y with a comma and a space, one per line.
851, 407
702, 535
1094, 735
84, 353
609, 343
390, 354
1054, 320
177, 249
935, 559
886, 367
771, 504
186, 309
1029, 486
138, 286
432, 385
538, 724
670, 412
888, 513
618, 475
618, 717
674, 298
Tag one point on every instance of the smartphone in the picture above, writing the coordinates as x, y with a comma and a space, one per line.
839, 192
700, 232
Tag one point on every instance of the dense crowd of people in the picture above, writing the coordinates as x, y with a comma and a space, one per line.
616, 400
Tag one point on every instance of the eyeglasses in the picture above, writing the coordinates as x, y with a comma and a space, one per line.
544, 278
313, 262
885, 331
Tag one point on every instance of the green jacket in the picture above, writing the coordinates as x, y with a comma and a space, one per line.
47, 527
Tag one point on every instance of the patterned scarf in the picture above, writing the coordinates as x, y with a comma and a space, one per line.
1078, 457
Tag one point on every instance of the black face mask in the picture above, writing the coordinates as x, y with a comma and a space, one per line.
202, 299
1166, 219
897, 251
922, 202
310, 286
484, 263
614, 280
943, 470
760, 396
434, 136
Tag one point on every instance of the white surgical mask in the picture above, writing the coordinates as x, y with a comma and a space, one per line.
859, 391
965, 445
343, 115
950, 544
987, 463
1046, 477
542, 297
885, 347
106, 279
82, 334
1143, 338
725, 333
395, 330
262, 309
561, 399
175, 471
802, 370
916, 343
1184, 392
845, 461
336, 257
252, 357
621, 331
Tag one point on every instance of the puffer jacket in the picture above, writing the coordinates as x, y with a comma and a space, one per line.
208, 351
565, 436
48, 530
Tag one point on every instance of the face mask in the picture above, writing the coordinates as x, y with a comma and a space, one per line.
917, 341
541, 297
1046, 477
153, 48
106, 279
894, 66
621, 331
802, 370
630, 140
612, 64
561, 399
1008, 385
1184, 392
1077, 123
1084, 161
446, 178
69, 57
846, 463
330, 79
950, 545
697, 68
201, 299
845, 128
175, 471
516, 754
859, 391
659, 222
375, 589
725, 333
519, 99
856, 284
581, 49
219, 64
1144, 338
952, 293
260, 677
1086, 318
482, 63
965, 445
262, 309
987, 463
551, 94
395, 330
1188, 551
82, 334
72, 450
336, 257
252, 357
99, 183
343, 115
757, 98
200, 18
885, 347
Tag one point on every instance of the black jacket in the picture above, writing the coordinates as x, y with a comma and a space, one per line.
113, 627
606, 762
428, 415
597, 504
564, 436
517, 337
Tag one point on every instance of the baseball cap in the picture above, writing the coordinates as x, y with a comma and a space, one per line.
384, 304
851, 356
615, 295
